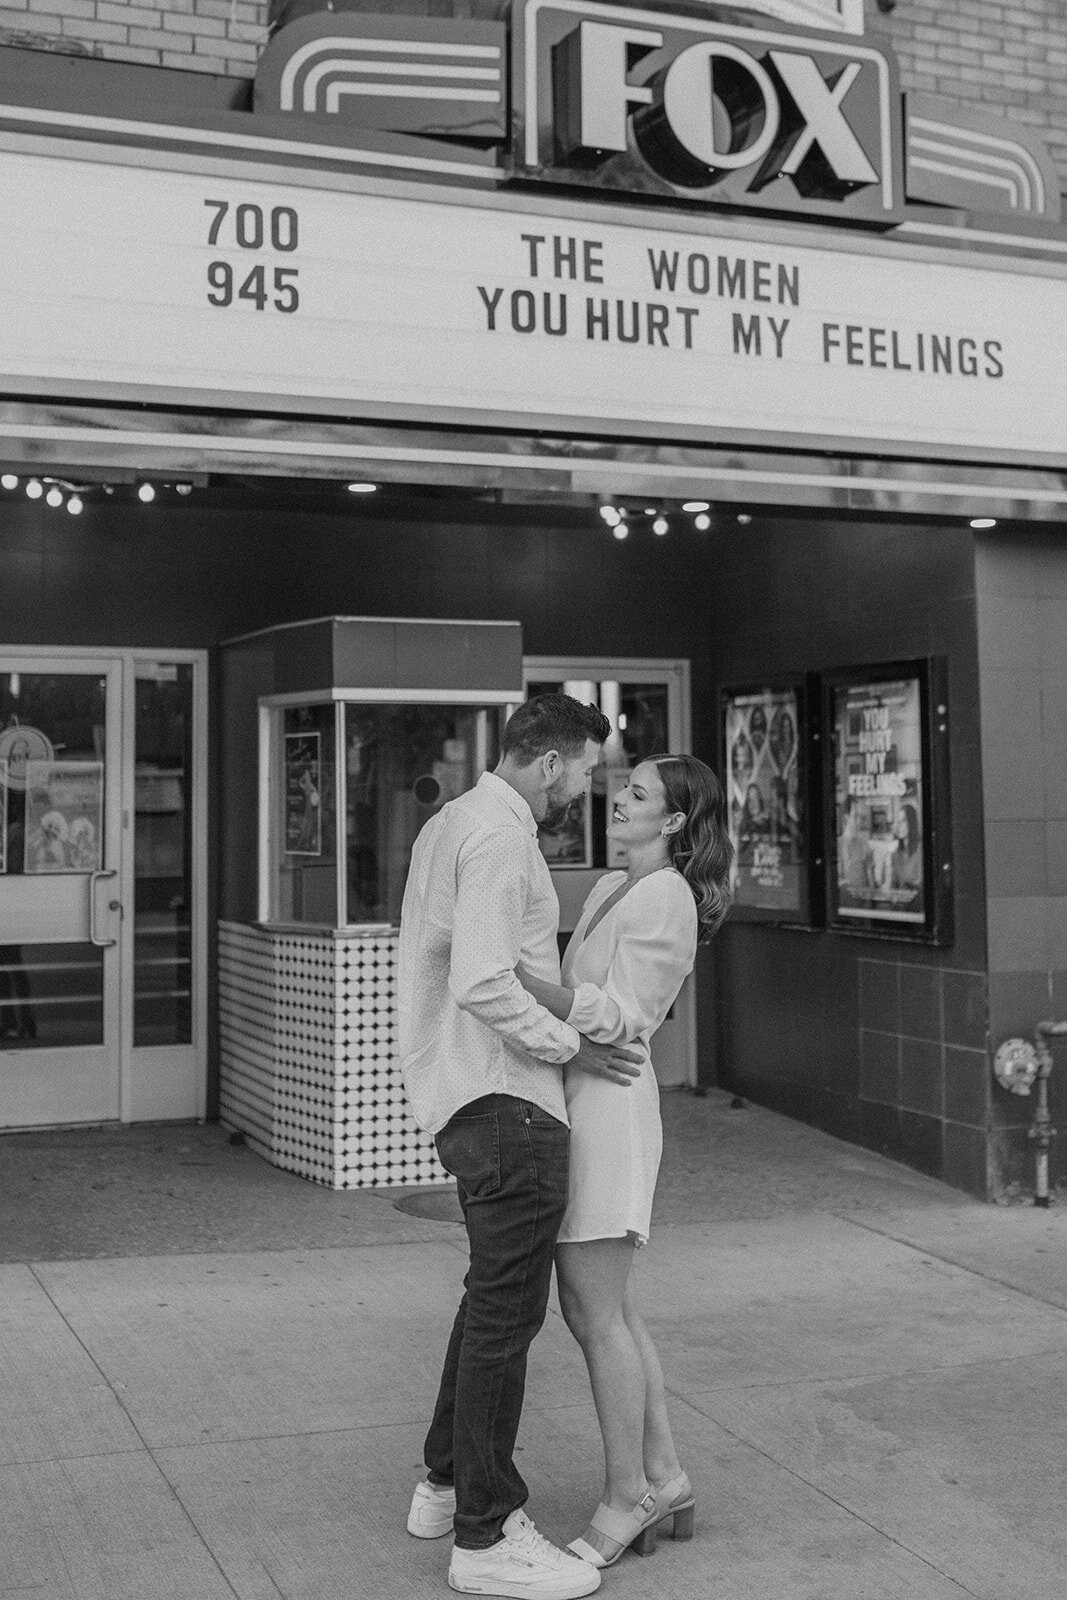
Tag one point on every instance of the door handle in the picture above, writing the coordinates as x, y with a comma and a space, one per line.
95, 880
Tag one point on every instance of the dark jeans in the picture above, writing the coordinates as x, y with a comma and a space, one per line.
509, 1159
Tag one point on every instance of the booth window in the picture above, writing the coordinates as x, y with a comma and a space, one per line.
400, 764
304, 819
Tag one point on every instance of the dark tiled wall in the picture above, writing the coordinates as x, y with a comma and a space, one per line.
924, 1069
783, 1015
880, 1041
1022, 646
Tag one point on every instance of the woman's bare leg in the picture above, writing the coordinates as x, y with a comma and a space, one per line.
659, 1454
592, 1278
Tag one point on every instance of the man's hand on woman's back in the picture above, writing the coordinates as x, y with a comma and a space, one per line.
612, 1061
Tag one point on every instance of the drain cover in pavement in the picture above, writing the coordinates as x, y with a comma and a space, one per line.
438, 1205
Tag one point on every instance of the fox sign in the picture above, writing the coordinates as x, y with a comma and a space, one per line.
699, 109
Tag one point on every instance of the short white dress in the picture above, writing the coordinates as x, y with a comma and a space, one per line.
626, 975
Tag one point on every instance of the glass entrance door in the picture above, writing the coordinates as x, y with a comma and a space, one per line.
60, 890
102, 887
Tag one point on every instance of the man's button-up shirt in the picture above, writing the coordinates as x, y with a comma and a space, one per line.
479, 900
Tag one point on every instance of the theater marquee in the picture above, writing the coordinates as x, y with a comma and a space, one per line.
126, 282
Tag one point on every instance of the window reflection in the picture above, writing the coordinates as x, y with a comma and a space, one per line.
162, 935
402, 764
52, 776
638, 713
51, 995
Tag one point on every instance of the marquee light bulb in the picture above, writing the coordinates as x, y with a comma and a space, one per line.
611, 516
660, 526
9, 480
146, 494
54, 497
35, 488
620, 530
696, 505
744, 519
702, 521
74, 504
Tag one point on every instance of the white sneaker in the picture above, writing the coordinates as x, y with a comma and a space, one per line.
433, 1507
523, 1564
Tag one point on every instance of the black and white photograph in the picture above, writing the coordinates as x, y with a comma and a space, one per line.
533, 799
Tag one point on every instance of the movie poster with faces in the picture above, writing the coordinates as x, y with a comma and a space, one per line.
765, 793
64, 816
880, 801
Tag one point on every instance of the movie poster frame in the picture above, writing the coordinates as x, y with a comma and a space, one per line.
804, 690
290, 741
937, 926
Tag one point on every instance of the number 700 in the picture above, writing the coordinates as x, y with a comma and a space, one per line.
250, 224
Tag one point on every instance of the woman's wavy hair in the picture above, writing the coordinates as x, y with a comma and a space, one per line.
701, 850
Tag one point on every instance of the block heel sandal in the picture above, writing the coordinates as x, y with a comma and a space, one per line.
675, 1503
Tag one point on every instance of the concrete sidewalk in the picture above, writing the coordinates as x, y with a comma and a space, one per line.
216, 1378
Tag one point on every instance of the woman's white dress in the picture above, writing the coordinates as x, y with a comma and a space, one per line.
626, 975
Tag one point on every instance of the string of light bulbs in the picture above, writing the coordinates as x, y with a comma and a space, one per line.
620, 518
58, 492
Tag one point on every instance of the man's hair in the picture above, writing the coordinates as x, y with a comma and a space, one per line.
552, 722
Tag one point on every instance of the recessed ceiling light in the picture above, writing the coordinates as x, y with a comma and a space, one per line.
983, 522
362, 488
743, 518
696, 505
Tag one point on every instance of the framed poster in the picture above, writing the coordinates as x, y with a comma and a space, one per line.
888, 789
303, 794
763, 745
64, 816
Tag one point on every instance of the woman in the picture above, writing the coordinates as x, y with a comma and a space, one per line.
906, 862
627, 959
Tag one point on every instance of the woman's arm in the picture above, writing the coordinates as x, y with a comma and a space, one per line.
654, 952
553, 996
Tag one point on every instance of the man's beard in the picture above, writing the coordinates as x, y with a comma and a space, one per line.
556, 806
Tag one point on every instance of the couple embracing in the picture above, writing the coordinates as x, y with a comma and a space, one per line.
538, 1088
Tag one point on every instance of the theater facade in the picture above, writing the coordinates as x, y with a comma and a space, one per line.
672, 355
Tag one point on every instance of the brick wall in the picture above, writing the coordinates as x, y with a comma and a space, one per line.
220, 36
1009, 56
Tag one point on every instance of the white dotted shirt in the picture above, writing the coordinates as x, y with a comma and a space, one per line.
479, 900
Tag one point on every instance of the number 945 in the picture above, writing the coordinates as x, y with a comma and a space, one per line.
285, 295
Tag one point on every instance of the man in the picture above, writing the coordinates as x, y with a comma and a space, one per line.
482, 1066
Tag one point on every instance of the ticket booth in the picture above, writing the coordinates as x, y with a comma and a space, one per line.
341, 738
